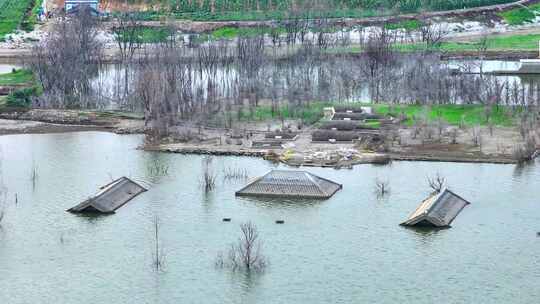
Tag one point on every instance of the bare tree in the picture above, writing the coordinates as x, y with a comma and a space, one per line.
2, 213
208, 181
527, 151
453, 136
127, 35
246, 253
66, 60
3, 192
481, 47
378, 50
230, 173
382, 187
477, 138
127, 30
159, 256
433, 35
437, 182
34, 175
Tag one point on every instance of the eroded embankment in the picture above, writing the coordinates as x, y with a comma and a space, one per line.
58, 121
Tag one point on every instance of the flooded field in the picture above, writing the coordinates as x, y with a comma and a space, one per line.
348, 249
339, 79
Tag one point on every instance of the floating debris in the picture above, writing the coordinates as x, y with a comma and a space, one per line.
280, 222
438, 210
227, 219
296, 184
110, 197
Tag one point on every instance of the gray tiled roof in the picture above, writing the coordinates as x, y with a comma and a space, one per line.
438, 210
111, 197
299, 184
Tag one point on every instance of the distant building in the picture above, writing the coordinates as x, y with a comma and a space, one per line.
438, 210
75, 4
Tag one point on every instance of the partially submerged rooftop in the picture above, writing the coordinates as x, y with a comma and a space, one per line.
292, 184
438, 210
110, 197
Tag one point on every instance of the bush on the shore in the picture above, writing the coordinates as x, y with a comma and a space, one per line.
21, 98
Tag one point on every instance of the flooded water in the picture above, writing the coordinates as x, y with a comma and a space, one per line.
348, 249
337, 79
7, 68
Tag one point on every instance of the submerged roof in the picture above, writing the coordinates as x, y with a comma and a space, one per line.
298, 184
438, 210
110, 197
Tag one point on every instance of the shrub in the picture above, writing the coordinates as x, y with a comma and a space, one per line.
22, 98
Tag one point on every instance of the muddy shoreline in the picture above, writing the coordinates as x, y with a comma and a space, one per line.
63, 121
391, 157
298, 154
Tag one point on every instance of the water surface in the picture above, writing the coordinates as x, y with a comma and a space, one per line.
348, 249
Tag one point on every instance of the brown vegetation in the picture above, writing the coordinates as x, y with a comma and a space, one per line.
246, 254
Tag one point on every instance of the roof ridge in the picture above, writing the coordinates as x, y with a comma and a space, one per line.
312, 177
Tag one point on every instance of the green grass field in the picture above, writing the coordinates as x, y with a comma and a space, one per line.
233, 32
246, 10
409, 25
468, 115
13, 14
523, 42
17, 77
521, 15
145, 34
453, 114
310, 114
526, 42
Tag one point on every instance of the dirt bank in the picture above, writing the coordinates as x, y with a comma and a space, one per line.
58, 121
453, 144
497, 146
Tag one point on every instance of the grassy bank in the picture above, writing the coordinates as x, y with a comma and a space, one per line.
453, 114
308, 113
233, 32
521, 15
409, 25
16, 77
468, 115
15, 14
25, 89
247, 10
146, 34
526, 42
523, 42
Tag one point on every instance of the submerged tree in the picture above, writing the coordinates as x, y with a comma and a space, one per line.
437, 183
246, 253
158, 255
208, 181
382, 187
2, 212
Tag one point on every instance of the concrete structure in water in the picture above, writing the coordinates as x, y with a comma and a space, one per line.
438, 210
110, 197
291, 184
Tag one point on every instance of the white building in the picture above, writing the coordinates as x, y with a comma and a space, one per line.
72, 4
